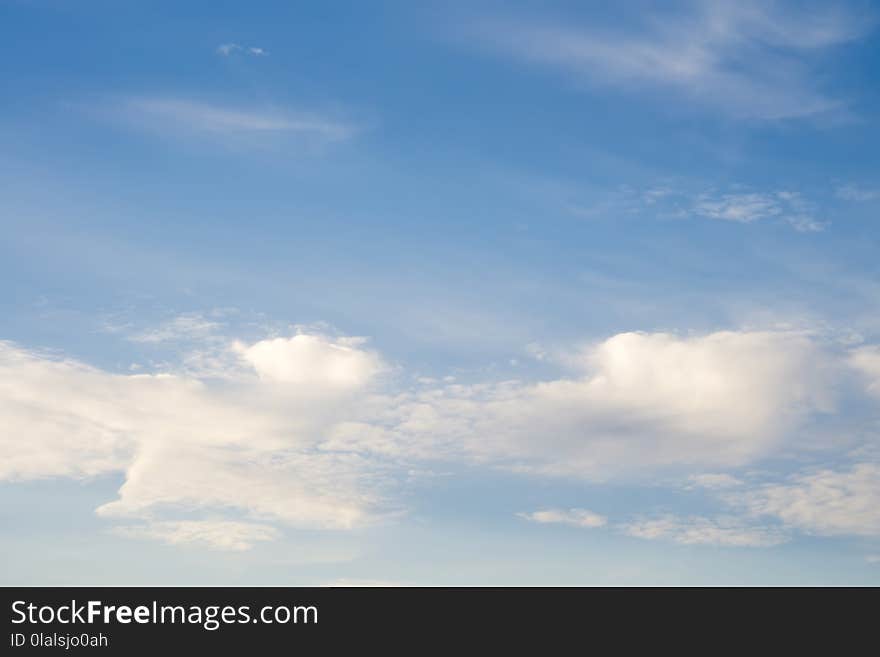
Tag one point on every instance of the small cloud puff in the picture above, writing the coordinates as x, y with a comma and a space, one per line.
312, 360
227, 49
572, 517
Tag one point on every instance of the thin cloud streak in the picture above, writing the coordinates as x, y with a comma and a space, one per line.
749, 59
196, 116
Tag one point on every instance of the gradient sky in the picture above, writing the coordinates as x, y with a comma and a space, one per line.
439, 293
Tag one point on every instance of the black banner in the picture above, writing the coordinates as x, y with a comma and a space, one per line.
415, 620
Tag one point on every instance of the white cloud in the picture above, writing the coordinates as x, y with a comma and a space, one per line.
696, 530
748, 207
573, 517
750, 59
227, 49
866, 360
305, 431
744, 208
313, 360
806, 224
736, 204
186, 444
61, 418
216, 534
643, 401
827, 502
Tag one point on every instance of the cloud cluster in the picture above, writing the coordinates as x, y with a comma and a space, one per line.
313, 431
747, 207
827, 502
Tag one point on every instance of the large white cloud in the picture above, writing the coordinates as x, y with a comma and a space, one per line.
63, 418
188, 445
641, 401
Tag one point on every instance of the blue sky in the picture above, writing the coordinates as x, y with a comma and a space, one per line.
439, 293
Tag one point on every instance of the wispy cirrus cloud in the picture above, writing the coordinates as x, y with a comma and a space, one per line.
177, 118
747, 59
188, 326
170, 114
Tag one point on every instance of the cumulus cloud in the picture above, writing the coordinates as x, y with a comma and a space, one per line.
61, 417
749, 59
186, 444
643, 401
313, 360
696, 530
573, 517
